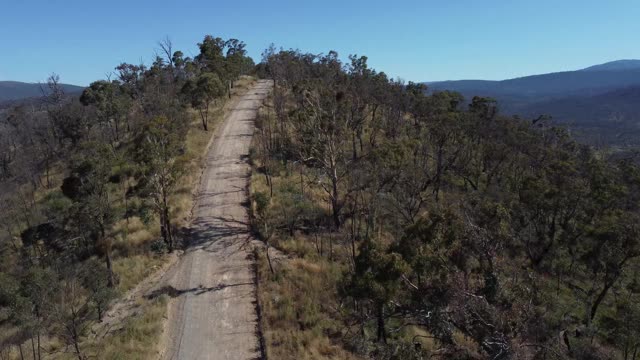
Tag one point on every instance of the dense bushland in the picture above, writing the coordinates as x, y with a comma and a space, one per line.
456, 232
98, 183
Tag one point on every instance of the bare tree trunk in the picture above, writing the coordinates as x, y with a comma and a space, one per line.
167, 223
77, 349
163, 228
33, 347
126, 204
267, 176
269, 259
317, 244
110, 278
170, 231
382, 335
596, 303
47, 171
25, 210
117, 129
353, 230
363, 333
438, 174
11, 237
331, 245
99, 309
75, 336
335, 206
204, 116
353, 146
301, 182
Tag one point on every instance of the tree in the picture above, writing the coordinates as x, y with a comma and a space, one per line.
70, 312
377, 278
201, 92
322, 140
31, 306
110, 104
211, 55
607, 252
92, 278
622, 325
131, 78
236, 63
161, 167
93, 211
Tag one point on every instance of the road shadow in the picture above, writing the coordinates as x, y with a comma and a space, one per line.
174, 293
214, 233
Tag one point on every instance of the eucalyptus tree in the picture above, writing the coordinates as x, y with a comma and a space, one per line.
235, 59
159, 158
321, 129
201, 92
110, 105
211, 56
377, 278
94, 210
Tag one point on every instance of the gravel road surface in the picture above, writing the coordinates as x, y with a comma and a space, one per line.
212, 312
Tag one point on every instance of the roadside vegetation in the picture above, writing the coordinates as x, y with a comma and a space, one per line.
96, 190
401, 225
396, 224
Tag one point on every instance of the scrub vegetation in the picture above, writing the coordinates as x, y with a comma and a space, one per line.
96, 190
417, 225
397, 222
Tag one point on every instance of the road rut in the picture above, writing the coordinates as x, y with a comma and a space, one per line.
212, 312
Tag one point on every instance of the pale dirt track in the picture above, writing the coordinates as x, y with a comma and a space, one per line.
212, 312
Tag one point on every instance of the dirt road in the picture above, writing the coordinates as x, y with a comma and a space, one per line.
212, 312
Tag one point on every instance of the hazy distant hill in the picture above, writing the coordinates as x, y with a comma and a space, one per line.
612, 117
602, 102
15, 90
610, 106
593, 80
615, 65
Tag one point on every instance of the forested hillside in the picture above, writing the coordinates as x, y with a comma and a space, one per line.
612, 118
397, 224
419, 227
94, 192
15, 90
599, 104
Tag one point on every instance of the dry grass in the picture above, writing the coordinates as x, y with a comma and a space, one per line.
132, 235
7, 331
137, 340
299, 310
301, 316
131, 270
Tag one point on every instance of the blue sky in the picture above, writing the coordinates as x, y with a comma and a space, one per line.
425, 40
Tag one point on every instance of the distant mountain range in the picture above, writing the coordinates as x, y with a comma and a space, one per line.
600, 103
15, 90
